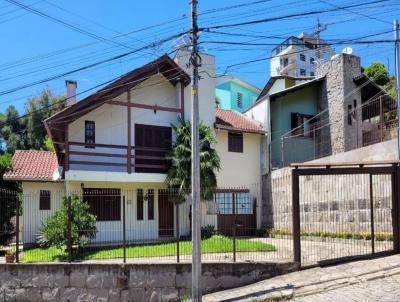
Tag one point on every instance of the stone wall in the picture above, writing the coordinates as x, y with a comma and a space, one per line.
130, 282
340, 94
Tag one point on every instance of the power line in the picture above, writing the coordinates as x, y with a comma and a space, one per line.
356, 13
302, 14
71, 26
151, 45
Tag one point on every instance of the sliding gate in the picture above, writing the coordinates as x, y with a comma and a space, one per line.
344, 212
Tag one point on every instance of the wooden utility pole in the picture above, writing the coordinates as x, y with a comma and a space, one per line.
196, 211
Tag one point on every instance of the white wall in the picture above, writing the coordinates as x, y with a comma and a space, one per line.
206, 86
32, 217
108, 231
111, 122
241, 170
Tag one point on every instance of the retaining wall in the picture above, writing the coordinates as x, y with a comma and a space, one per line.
130, 282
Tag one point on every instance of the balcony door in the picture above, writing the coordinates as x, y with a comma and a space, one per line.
151, 146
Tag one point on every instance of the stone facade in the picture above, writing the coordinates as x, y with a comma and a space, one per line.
340, 95
129, 282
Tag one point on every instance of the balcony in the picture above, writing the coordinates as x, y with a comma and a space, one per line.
116, 158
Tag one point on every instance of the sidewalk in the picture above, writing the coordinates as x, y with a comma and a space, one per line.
311, 281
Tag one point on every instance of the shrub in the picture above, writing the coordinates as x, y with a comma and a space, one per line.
54, 232
208, 231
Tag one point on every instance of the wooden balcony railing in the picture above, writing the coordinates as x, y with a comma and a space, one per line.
143, 159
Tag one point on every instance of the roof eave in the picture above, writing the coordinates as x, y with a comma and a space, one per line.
230, 128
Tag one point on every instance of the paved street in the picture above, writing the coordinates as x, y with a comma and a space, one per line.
382, 290
376, 280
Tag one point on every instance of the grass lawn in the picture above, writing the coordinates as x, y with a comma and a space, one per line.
215, 244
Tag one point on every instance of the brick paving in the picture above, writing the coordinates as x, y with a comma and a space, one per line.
319, 281
384, 289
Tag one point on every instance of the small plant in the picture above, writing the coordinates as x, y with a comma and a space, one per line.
208, 231
55, 232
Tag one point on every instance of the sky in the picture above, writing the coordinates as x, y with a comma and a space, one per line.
44, 39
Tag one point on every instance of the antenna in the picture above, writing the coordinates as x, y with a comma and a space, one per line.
317, 33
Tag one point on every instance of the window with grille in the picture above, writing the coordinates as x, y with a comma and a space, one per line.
239, 99
90, 134
234, 202
105, 204
302, 57
44, 200
302, 72
311, 60
235, 142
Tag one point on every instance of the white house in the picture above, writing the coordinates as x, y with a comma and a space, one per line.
298, 56
111, 148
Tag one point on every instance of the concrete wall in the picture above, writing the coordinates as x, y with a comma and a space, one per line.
130, 282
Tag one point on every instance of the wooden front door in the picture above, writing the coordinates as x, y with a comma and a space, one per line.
165, 215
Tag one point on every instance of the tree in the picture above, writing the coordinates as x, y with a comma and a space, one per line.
378, 73
179, 173
38, 109
54, 232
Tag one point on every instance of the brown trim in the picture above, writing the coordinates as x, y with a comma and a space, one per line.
96, 154
144, 106
150, 149
182, 101
150, 157
99, 145
91, 163
129, 150
150, 167
66, 159
232, 190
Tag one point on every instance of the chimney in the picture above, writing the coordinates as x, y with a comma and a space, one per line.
71, 92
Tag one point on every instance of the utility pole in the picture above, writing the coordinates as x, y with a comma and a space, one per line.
397, 67
320, 28
196, 212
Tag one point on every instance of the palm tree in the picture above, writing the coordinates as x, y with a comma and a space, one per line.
179, 173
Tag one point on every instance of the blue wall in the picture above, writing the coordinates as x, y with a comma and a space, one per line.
227, 95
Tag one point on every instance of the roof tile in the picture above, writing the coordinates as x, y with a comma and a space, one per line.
33, 165
234, 120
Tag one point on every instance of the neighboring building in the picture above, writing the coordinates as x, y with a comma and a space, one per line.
111, 147
299, 56
335, 112
233, 93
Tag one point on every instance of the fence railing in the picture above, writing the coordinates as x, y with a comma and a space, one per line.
373, 122
147, 224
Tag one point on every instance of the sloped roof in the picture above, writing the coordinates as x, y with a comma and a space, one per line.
33, 165
233, 120
164, 65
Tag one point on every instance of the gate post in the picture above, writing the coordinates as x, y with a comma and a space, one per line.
17, 197
396, 209
296, 216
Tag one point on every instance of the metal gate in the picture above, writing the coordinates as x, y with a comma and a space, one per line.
344, 211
